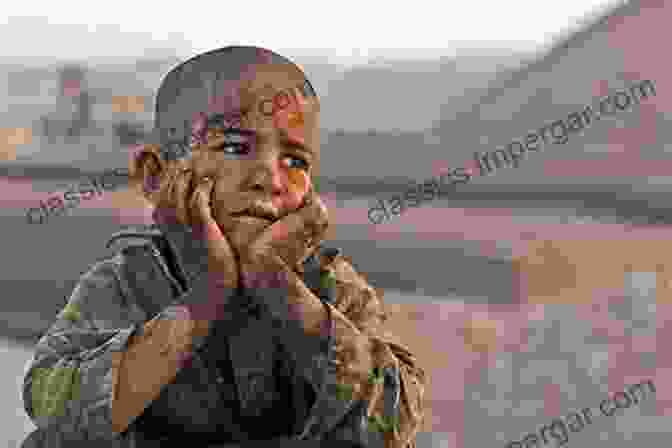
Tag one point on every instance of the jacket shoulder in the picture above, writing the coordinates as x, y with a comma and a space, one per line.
354, 295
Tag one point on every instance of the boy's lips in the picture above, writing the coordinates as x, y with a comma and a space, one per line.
265, 217
249, 216
258, 211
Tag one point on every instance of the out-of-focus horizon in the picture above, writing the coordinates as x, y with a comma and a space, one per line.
364, 89
130, 59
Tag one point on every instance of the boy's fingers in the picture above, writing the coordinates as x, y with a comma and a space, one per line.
315, 213
199, 206
203, 222
165, 193
311, 219
314, 219
205, 227
166, 211
291, 236
182, 196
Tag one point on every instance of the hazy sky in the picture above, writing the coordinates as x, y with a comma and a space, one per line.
350, 30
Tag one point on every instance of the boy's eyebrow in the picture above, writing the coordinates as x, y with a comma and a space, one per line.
224, 120
297, 141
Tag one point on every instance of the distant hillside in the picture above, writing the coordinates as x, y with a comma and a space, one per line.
403, 96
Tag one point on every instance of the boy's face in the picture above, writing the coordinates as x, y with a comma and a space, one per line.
261, 145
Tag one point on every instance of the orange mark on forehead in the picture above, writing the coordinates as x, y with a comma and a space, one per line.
294, 118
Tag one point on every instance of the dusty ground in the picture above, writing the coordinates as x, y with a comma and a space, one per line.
594, 319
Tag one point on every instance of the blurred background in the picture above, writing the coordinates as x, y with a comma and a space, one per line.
525, 293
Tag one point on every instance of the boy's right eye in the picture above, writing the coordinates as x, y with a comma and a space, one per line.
234, 147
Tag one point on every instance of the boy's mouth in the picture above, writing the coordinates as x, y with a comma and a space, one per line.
256, 212
248, 216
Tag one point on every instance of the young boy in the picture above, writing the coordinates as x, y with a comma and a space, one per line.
227, 323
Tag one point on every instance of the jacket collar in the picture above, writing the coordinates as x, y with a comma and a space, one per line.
191, 251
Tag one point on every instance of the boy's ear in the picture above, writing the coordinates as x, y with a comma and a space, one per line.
145, 162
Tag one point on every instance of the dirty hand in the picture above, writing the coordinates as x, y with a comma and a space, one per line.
268, 263
186, 201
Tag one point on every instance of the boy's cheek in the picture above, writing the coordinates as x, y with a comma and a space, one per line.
298, 184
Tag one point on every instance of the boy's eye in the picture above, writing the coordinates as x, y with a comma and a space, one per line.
242, 147
302, 165
234, 147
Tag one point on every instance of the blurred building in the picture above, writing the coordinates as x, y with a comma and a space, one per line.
72, 115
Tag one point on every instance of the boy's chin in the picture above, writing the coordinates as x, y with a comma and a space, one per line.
243, 229
231, 222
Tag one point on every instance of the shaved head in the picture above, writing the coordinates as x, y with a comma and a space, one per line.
247, 118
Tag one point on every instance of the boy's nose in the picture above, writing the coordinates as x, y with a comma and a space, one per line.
267, 177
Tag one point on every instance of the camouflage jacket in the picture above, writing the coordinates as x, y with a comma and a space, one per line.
240, 386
